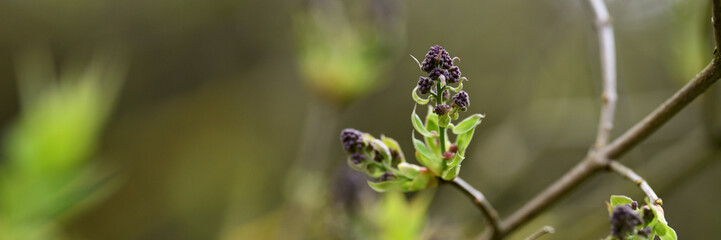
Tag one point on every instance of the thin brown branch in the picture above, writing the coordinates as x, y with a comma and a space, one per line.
607, 51
481, 202
543, 231
629, 174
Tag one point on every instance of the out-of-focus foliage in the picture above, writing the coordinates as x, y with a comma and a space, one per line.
395, 217
342, 53
45, 174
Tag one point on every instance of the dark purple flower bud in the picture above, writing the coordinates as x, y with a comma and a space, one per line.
645, 232
445, 61
352, 139
441, 109
634, 205
454, 74
395, 154
378, 157
431, 59
447, 155
424, 85
461, 100
624, 220
453, 148
428, 64
387, 176
357, 158
647, 214
437, 72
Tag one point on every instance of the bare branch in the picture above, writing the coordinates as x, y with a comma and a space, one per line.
572, 179
482, 203
541, 232
635, 178
678, 101
607, 51
597, 160
602, 156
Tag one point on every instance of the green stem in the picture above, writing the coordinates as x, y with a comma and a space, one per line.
441, 130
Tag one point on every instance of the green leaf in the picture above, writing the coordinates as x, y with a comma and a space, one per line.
423, 181
617, 200
455, 161
387, 185
463, 140
444, 121
451, 173
456, 89
383, 150
418, 99
468, 124
409, 170
432, 125
393, 144
418, 124
426, 158
661, 225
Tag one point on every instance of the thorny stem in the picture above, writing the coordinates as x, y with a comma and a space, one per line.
635, 178
479, 200
602, 158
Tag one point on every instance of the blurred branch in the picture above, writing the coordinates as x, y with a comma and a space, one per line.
607, 51
543, 231
480, 201
638, 180
600, 158
678, 101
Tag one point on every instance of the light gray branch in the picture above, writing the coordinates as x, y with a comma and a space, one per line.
479, 200
543, 231
607, 49
635, 178
599, 158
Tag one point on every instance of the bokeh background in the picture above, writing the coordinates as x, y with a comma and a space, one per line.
220, 119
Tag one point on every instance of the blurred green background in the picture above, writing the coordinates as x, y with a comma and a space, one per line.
220, 119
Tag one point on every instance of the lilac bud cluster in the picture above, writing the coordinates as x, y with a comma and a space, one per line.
352, 140
624, 221
460, 100
438, 63
424, 85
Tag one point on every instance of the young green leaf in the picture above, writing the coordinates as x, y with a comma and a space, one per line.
418, 99
409, 170
392, 144
426, 158
387, 185
433, 143
468, 124
383, 150
418, 124
423, 181
617, 200
451, 173
463, 140
456, 89
455, 161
